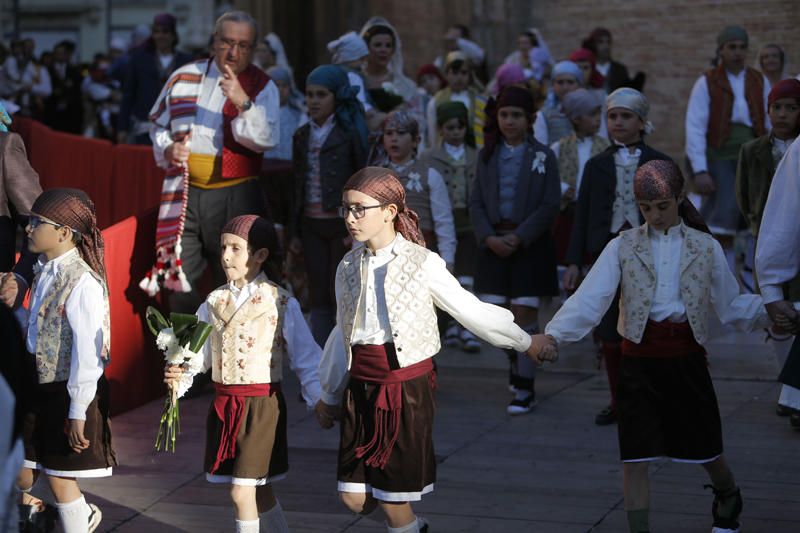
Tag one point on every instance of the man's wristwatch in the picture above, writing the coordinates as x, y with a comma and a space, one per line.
246, 105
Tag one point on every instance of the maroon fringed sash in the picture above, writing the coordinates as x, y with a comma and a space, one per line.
664, 339
371, 364
229, 405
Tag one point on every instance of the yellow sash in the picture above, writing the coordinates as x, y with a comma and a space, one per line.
205, 171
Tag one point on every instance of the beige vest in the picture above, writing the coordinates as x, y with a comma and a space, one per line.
568, 160
54, 334
412, 316
247, 344
638, 283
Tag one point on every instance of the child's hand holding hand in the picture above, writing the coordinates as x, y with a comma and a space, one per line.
172, 373
543, 348
512, 240
77, 441
327, 415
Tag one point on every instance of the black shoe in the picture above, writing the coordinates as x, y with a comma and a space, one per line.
521, 407
606, 417
33, 521
782, 410
728, 523
794, 420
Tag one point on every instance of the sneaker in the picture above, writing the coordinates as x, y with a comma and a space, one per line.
523, 406
469, 343
451, 337
726, 524
783, 410
606, 417
95, 517
794, 420
423, 525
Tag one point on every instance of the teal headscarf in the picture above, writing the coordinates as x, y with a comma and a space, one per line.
348, 110
5, 118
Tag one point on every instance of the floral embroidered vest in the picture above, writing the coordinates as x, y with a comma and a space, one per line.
638, 281
54, 334
247, 344
418, 193
412, 315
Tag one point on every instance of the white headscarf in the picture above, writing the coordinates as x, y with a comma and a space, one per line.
631, 99
349, 47
404, 86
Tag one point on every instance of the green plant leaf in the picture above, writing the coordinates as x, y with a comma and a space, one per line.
155, 320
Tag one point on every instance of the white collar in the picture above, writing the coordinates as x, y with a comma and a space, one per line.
327, 124
385, 251
671, 233
456, 152
52, 265
248, 287
736, 76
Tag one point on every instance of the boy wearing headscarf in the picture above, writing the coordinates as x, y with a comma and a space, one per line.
376, 373
350, 52
727, 108
68, 435
666, 271
606, 206
327, 150
758, 160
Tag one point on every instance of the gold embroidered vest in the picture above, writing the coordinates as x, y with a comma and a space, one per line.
638, 281
247, 344
412, 315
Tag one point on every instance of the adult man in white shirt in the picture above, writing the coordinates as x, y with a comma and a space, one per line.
213, 119
727, 108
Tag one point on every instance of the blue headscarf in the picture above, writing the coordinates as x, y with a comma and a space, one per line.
563, 67
348, 110
5, 118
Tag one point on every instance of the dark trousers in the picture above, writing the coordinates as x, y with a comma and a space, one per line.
323, 246
8, 243
207, 212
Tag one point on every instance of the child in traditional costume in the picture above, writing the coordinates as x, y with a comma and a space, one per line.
669, 271
605, 207
68, 435
551, 123
256, 326
327, 150
513, 204
376, 372
426, 191
455, 161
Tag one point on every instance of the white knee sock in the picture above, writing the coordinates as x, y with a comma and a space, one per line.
274, 521
247, 526
412, 527
74, 516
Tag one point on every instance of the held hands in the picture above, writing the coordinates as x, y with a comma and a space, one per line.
231, 88
784, 316
77, 441
505, 245
543, 348
704, 183
327, 415
571, 278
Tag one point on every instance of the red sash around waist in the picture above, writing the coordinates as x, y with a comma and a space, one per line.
229, 403
371, 363
664, 339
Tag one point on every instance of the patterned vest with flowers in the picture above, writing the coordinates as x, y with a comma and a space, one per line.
412, 315
638, 281
247, 343
54, 334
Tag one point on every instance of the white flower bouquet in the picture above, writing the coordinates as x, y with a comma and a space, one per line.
180, 338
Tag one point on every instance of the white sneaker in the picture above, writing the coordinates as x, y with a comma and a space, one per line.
724, 530
521, 407
95, 517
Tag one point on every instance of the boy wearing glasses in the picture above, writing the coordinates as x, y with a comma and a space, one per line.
210, 126
67, 434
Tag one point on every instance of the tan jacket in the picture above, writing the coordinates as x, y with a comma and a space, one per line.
19, 183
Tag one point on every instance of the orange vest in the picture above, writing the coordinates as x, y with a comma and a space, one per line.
719, 89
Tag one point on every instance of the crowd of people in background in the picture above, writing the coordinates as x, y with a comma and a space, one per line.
520, 178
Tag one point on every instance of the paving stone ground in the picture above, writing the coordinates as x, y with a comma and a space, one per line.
550, 471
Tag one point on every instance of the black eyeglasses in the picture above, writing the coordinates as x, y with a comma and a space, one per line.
358, 211
34, 222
